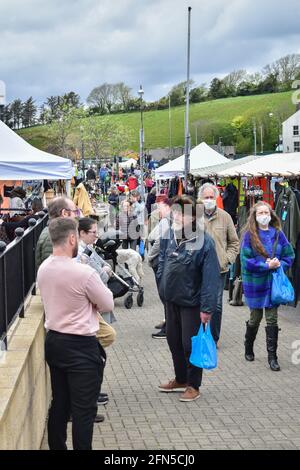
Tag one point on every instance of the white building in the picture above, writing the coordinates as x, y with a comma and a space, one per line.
291, 133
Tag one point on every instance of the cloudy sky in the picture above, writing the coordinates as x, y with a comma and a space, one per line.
49, 47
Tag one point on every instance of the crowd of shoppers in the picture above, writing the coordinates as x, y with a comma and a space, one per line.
191, 245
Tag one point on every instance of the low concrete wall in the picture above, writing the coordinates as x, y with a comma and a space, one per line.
24, 383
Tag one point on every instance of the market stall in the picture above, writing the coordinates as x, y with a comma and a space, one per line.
20, 161
201, 156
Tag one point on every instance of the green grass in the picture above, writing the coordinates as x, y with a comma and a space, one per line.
156, 123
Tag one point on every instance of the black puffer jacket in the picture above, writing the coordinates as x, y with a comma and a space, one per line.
189, 273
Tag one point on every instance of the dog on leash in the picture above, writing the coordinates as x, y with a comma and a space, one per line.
133, 261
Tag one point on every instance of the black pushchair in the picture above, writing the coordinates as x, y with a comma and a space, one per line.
121, 283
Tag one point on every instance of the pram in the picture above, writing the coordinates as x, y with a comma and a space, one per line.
121, 282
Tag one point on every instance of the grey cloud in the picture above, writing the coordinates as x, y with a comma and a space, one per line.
49, 47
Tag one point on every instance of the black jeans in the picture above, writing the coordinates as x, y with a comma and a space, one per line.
76, 368
216, 318
155, 269
182, 324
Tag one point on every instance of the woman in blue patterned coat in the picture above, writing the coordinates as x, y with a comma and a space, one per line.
258, 261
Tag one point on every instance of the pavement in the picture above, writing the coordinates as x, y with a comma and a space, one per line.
242, 406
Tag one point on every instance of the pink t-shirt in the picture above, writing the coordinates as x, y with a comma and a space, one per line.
72, 294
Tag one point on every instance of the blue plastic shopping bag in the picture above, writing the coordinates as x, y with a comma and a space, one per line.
282, 290
204, 350
142, 248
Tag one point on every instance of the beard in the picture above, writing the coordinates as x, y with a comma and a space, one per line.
75, 251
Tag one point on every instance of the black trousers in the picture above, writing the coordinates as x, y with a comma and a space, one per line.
155, 269
76, 368
182, 324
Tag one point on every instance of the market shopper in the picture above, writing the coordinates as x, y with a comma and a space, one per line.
264, 248
160, 231
187, 274
106, 335
59, 207
220, 227
128, 226
72, 294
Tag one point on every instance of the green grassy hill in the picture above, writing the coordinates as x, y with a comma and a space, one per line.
212, 118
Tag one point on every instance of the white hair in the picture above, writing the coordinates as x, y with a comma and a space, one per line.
208, 186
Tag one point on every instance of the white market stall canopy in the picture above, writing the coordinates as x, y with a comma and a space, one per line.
128, 163
201, 156
21, 161
277, 164
216, 169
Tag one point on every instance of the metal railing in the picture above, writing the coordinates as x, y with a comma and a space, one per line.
18, 273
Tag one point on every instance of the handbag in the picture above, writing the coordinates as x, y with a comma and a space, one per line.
204, 349
237, 294
282, 291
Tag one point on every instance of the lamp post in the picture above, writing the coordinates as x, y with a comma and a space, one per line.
255, 137
271, 115
82, 149
141, 94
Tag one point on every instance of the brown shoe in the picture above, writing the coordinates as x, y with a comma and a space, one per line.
191, 394
172, 386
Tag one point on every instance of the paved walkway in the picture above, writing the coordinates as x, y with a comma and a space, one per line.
243, 405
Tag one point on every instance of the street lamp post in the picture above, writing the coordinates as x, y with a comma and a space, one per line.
255, 137
141, 94
82, 149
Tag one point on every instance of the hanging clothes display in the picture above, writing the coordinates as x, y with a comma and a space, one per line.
288, 211
231, 201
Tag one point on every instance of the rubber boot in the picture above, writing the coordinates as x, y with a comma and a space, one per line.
272, 342
251, 332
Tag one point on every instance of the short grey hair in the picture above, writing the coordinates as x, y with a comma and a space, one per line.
208, 186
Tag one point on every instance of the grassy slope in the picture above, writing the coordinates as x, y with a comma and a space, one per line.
156, 123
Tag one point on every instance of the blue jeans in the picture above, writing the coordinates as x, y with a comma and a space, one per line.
216, 319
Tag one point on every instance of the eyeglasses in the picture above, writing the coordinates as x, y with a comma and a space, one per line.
77, 212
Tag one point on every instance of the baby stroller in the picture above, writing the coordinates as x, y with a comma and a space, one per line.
122, 283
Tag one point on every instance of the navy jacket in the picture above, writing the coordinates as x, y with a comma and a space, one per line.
189, 277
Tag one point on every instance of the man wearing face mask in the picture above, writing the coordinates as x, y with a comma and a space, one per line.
220, 227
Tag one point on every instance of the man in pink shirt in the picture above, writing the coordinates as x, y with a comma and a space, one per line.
72, 294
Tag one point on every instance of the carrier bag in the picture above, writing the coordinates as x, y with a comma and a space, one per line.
282, 290
204, 349
142, 248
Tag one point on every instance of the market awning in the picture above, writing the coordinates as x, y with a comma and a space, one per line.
283, 164
21, 161
201, 156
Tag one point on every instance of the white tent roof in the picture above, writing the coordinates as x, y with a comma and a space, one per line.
282, 164
21, 161
128, 163
201, 156
216, 169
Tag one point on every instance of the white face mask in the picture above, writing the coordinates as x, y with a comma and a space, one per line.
177, 226
263, 220
210, 204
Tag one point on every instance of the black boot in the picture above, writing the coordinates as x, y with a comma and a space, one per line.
272, 341
250, 336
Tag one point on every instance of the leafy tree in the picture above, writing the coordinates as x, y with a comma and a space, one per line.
198, 94
216, 89
16, 111
29, 112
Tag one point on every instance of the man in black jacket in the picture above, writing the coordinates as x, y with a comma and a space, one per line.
188, 274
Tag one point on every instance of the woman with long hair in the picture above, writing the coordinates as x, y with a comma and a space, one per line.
264, 248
